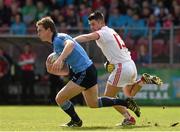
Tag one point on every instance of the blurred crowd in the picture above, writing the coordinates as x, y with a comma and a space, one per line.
20, 15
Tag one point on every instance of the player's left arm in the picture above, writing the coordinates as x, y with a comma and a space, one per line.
87, 37
61, 72
68, 48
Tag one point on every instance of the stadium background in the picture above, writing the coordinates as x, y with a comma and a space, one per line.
150, 29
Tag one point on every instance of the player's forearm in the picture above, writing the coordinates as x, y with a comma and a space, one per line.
69, 46
83, 38
63, 72
87, 37
80, 39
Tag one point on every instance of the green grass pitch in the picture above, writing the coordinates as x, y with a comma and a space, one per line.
49, 118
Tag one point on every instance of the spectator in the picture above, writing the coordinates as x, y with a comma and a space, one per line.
146, 12
71, 17
129, 15
62, 3
83, 13
85, 18
5, 15
159, 9
55, 15
136, 28
97, 4
154, 25
42, 10
176, 14
18, 27
27, 64
163, 13
5, 62
116, 19
15, 8
168, 22
143, 57
52, 5
29, 12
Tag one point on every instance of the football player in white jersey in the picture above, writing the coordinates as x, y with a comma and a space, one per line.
120, 65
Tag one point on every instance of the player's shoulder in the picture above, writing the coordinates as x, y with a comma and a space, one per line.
61, 36
106, 29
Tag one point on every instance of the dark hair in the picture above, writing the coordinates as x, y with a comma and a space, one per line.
97, 15
47, 22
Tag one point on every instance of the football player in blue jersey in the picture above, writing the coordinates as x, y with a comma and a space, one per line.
84, 73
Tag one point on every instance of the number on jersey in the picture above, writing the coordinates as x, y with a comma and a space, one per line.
120, 42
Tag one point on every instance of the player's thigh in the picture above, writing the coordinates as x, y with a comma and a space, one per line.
126, 90
91, 96
70, 90
111, 91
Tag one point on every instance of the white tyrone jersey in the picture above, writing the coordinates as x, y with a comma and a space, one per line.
112, 46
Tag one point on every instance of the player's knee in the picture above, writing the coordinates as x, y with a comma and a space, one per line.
59, 100
93, 105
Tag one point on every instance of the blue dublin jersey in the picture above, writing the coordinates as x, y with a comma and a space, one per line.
78, 59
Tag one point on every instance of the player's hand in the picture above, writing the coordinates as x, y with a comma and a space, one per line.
57, 65
48, 65
109, 67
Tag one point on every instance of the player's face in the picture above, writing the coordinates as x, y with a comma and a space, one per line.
42, 33
95, 25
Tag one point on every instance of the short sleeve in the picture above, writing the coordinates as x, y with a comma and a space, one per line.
58, 45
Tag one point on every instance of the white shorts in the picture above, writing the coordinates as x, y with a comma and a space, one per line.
123, 74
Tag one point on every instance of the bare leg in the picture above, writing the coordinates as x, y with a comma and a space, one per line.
91, 96
93, 101
111, 91
131, 90
69, 91
62, 99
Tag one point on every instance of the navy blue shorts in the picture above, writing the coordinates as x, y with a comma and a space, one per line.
87, 78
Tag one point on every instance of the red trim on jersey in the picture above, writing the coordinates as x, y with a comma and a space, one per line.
117, 41
120, 42
118, 74
98, 35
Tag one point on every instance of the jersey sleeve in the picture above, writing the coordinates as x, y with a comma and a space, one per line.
58, 45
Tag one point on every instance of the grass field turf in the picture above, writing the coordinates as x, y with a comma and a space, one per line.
49, 118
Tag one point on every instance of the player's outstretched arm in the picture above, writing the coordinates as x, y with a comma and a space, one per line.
87, 37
